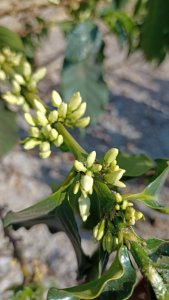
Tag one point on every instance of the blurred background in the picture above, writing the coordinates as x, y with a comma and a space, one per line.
116, 54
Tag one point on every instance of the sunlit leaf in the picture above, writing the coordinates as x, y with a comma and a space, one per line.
10, 39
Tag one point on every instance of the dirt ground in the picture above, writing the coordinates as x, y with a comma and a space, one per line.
136, 119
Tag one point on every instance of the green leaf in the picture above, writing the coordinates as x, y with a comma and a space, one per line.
83, 41
93, 288
10, 39
83, 68
155, 30
8, 130
121, 288
134, 164
148, 270
150, 194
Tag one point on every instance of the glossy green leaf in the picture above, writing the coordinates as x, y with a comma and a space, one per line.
121, 288
149, 270
134, 164
83, 68
93, 288
150, 194
8, 130
10, 39
155, 30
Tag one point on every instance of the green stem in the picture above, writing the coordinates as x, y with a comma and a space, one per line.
73, 146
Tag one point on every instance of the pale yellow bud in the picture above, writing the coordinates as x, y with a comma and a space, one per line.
19, 78
59, 141
56, 99
26, 107
138, 215
38, 105
81, 123
96, 168
91, 159
29, 119
118, 198
20, 100
10, 98
108, 242
84, 207
76, 188
39, 74
2, 75
86, 183
41, 119
124, 205
53, 116
111, 155
44, 155
77, 114
75, 101
120, 184
27, 70
16, 86
117, 207
114, 177
79, 166
53, 134
46, 130
44, 147
31, 143
98, 230
34, 132
62, 110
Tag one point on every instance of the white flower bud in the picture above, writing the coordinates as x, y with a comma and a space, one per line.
91, 159
86, 183
56, 99
27, 70
81, 123
118, 198
34, 132
74, 102
29, 119
53, 116
138, 215
62, 110
76, 188
84, 207
120, 184
124, 205
111, 155
41, 119
19, 78
59, 141
16, 86
96, 168
77, 114
10, 98
26, 107
79, 166
53, 134
20, 100
44, 147
2, 75
44, 155
46, 130
39, 106
39, 74
114, 177
31, 143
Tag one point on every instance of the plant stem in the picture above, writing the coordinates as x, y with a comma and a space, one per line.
72, 144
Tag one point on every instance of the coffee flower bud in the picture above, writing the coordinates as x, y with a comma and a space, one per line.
19, 79
44, 147
114, 177
124, 205
53, 134
111, 156
77, 114
56, 99
79, 166
29, 119
62, 110
108, 242
39, 106
10, 98
31, 143
98, 230
76, 188
16, 86
118, 198
39, 74
75, 101
34, 132
44, 155
84, 207
53, 116
81, 123
41, 119
96, 168
59, 141
86, 183
91, 159
138, 215
27, 70
46, 130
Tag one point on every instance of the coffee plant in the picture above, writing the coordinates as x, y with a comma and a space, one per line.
94, 188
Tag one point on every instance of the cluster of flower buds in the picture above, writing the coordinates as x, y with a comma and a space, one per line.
102, 232
130, 214
111, 172
85, 183
24, 82
42, 133
71, 113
